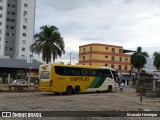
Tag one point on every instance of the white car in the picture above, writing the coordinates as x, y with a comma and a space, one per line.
19, 82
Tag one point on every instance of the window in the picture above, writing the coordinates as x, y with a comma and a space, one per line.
24, 34
1, 8
106, 64
112, 66
24, 41
13, 13
12, 27
7, 34
23, 49
0, 15
126, 59
6, 41
8, 19
0, 38
25, 5
13, 6
120, 59
83, 58
1, 0
9, 5
106, 48
120, 67
10, 49
73, 71
120, 51
113, 50
24, 13
0, 46
106, 56
0, 31
126, 67
25, 20
0, 23
12, 20
90, 49
113, 58
84, 49
90, 57
24, 27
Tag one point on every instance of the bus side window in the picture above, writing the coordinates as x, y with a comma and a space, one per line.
78, 72
92, 72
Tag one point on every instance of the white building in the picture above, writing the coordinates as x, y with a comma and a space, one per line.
17, 19
149, 66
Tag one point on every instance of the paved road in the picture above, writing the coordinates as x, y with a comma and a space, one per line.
43, 101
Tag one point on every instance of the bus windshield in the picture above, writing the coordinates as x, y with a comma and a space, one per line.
44, 75
115, 75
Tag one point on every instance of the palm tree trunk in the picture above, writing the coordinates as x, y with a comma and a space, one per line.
138, 81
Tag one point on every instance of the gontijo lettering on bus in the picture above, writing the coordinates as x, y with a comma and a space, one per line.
79, 78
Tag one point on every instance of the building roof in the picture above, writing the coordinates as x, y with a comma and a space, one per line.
19, 63
128, 51
99, 44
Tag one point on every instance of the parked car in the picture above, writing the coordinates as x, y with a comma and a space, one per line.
19, 82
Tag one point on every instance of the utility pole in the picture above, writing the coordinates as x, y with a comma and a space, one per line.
70, 58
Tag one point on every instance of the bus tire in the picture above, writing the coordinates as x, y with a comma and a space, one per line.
56, 93
109, 88
69, 90
77, 89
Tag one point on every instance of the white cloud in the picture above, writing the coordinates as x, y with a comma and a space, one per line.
129, 23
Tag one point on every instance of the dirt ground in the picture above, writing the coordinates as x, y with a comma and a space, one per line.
114, 101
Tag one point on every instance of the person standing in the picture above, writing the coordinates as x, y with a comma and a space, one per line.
121, 87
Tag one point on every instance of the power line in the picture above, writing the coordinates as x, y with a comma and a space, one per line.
70, 54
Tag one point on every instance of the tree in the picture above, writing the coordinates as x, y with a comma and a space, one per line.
138, 59
156, 62
48, 42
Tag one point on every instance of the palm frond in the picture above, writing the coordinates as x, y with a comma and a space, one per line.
48, 42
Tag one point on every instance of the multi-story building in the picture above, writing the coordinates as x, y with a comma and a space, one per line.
17, 18
105, 55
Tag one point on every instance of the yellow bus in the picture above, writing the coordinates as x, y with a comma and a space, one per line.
73, 79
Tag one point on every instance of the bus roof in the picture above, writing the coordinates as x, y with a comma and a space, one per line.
82, 66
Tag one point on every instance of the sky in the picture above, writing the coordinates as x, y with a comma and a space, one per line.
127, 23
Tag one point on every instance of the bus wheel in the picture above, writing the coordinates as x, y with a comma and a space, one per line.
56, 93
69, 90
77, 89
109, 88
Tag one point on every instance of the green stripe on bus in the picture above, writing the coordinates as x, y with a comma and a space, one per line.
94, 82
100, 82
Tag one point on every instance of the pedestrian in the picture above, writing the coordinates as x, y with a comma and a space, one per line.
121, 87
119, 83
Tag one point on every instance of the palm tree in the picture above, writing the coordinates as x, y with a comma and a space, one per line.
138, 59
48, 42
156, 62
